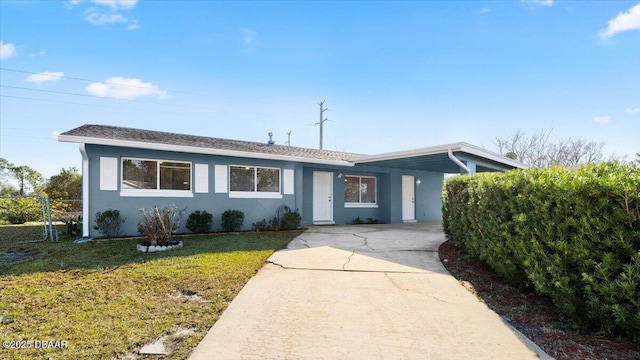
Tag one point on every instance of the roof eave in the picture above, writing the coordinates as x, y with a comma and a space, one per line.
197, 150
441, 149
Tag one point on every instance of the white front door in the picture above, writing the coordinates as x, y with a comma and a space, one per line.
322, 197
408, 199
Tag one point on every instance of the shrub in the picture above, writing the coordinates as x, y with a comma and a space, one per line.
572, 235
372, 221
260, 226
232, 220
109, 223
20, 209
159, 227
199, 222
290, 221
357, 221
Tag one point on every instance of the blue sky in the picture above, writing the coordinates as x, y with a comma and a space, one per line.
394, 75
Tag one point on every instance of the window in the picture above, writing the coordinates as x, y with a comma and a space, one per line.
359, 190
254, 181
138, 174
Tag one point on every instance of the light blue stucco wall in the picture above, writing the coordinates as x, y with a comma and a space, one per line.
214, 203
389, 191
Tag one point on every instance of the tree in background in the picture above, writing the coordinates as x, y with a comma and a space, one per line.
539, 150
67, 185
29, 180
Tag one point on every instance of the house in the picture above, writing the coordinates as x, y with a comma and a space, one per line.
128, 169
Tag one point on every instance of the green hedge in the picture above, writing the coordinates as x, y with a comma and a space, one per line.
571, 234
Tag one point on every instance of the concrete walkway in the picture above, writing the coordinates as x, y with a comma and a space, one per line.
360, 292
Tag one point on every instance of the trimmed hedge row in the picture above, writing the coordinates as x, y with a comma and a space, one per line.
572, 235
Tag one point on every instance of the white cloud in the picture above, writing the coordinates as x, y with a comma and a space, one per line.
54, 134
485, 10
602, 119
249, 36
40, 53
633, 111
44, 77
123, 88
97, 18
133, 24
117, 4
7, 50
625, 21
538, 2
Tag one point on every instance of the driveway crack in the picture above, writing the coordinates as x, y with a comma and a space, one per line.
418, 292
365, 239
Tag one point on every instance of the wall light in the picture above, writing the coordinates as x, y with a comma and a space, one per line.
418, 182
340, 176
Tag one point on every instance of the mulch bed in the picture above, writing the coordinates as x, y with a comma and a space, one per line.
533, 314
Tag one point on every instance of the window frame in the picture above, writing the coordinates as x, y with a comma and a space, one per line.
360, 204
255, 193
157, 192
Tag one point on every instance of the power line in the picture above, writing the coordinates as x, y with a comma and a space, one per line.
85, 104
89, 80
100, 97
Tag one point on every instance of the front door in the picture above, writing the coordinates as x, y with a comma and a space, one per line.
408, 199
322, 197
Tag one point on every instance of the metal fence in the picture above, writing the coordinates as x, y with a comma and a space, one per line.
26, 219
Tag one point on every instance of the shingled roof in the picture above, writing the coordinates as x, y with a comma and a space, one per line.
96, 134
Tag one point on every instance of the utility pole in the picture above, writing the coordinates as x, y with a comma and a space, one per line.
289, 138
322, 120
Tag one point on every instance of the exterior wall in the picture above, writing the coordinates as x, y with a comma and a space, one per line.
214, 203
388, 183
389, 194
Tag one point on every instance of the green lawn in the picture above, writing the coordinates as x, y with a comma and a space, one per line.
106, 299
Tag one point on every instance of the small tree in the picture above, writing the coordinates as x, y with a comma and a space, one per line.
158, 227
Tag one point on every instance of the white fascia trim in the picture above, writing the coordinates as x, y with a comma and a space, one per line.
431, 150
441, 149
198, 150
156, 193
85, 191
253, 195
478, 151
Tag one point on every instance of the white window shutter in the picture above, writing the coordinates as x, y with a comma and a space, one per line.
221, 179
288, 181
202, 178
108, 174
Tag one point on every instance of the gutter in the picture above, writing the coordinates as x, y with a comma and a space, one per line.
85, 192
458, 162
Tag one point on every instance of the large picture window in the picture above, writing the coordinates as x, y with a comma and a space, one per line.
139, 174
360, 190
254, 180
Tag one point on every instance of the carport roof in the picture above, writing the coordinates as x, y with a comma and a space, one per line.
433, 158
436, 158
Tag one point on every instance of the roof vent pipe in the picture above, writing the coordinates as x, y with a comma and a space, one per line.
458, 162
270, 142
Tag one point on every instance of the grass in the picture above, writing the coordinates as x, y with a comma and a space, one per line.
107, 300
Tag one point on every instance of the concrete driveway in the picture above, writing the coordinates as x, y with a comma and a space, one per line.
360, 292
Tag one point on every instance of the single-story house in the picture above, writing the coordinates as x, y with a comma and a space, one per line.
128, 169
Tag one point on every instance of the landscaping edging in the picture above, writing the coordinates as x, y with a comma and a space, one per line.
155, 248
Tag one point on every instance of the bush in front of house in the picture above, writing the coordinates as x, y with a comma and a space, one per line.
232, 220
572, 235
199, 221
158, 226
109, 223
